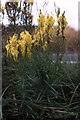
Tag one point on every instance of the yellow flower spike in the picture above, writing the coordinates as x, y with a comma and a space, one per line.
19, 41
26, 32
17, 45
38, 19
16, 51
33, 41
22, 34
28, 49
53, 20
45, 46
15, 36
60, 18
10, 40
23, 53
36, 44
66, 22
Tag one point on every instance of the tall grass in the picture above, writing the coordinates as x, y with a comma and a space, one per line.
39, 88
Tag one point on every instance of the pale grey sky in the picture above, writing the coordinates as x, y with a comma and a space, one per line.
69, 6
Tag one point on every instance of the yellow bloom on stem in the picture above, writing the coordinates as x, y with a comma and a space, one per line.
16, 54
36, 44
63, 22
38, 19
12, 47
22, 34
45, 46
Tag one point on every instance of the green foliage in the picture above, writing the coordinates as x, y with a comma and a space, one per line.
42, 90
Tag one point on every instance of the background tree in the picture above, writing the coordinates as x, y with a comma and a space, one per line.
27, 16
13, 10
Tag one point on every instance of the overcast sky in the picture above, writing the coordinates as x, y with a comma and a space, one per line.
69, 6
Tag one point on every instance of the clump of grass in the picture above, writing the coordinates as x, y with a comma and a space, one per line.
41, 89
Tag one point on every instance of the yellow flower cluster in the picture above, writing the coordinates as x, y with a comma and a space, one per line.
46, 25
25, 43
12, 47
61, 22
39, 40
49, 22
43, 32
44, 46
41, 20
36, 39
